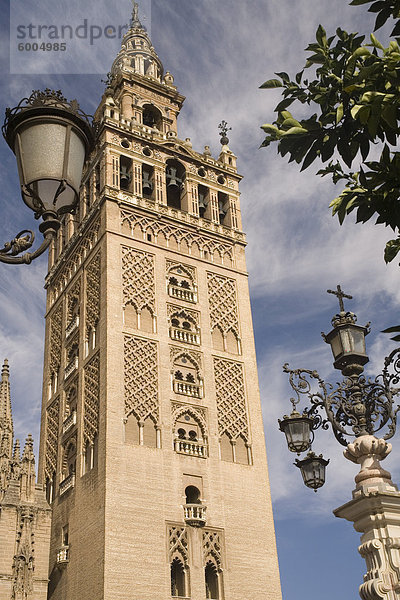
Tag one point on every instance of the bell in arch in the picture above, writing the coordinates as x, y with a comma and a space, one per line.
173, 181
124, 177
147, 185
202, 203
221, 211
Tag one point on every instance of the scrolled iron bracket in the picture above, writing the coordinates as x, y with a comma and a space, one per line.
11, 251
354, 407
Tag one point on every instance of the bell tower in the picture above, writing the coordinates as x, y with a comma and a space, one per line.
152, 447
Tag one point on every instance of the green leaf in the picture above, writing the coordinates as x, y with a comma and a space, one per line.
284, 76
394, 329
396, 30
376, 42
310, 157
381, 18
271, 83
318, 59
391, 250
268, 128
294, 131
339, 113
321, 36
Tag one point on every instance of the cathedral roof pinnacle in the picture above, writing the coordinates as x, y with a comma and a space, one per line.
17, 451
28, 449
6, 424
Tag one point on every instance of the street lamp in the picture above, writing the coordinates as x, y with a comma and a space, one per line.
51, 138
357, 406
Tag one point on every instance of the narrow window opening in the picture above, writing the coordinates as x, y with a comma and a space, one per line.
203, 200
147, 180
125, 173
223, 202
175, 176
211, 580
178, 587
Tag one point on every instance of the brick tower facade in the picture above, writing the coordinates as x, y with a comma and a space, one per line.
152, 446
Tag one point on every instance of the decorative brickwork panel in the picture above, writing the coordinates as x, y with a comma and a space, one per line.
178, 543
81, 247
93, 292
73, 300
138, 279
231, 400
180, 269
212, 547
91, 400
55, 338
52, 420
141, 378
191, 315
193, 357
223, 303
207, 245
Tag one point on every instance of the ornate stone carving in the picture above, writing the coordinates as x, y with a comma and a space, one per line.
56, 320
178, 543
375, 512
93, 292
52, 421
23, 565
73, 298
82, 246
193, 356
212, 547
223, 303
141, 378
231, 400
207, 246
91, 400
173, 265
138, 282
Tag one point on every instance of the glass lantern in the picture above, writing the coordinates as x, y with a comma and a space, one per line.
298, 431
313, 470
51, 138
347, 341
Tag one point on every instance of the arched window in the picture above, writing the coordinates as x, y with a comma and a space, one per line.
50, 484
192, 494
181, 284
152, 117
186, 377
178, 578
190, 436
211, 581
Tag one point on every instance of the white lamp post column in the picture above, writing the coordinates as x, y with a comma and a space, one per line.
375, 512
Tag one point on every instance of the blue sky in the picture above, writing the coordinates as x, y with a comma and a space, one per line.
219, 53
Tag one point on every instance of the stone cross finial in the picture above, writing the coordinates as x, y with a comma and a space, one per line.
340, 295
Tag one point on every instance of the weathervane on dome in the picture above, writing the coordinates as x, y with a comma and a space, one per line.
223, 127
135, 21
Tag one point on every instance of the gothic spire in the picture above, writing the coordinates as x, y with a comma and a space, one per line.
6, 422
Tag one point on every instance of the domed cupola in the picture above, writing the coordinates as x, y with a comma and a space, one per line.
137, 54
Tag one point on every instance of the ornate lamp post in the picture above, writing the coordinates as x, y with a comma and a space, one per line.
50, 138
358, 407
